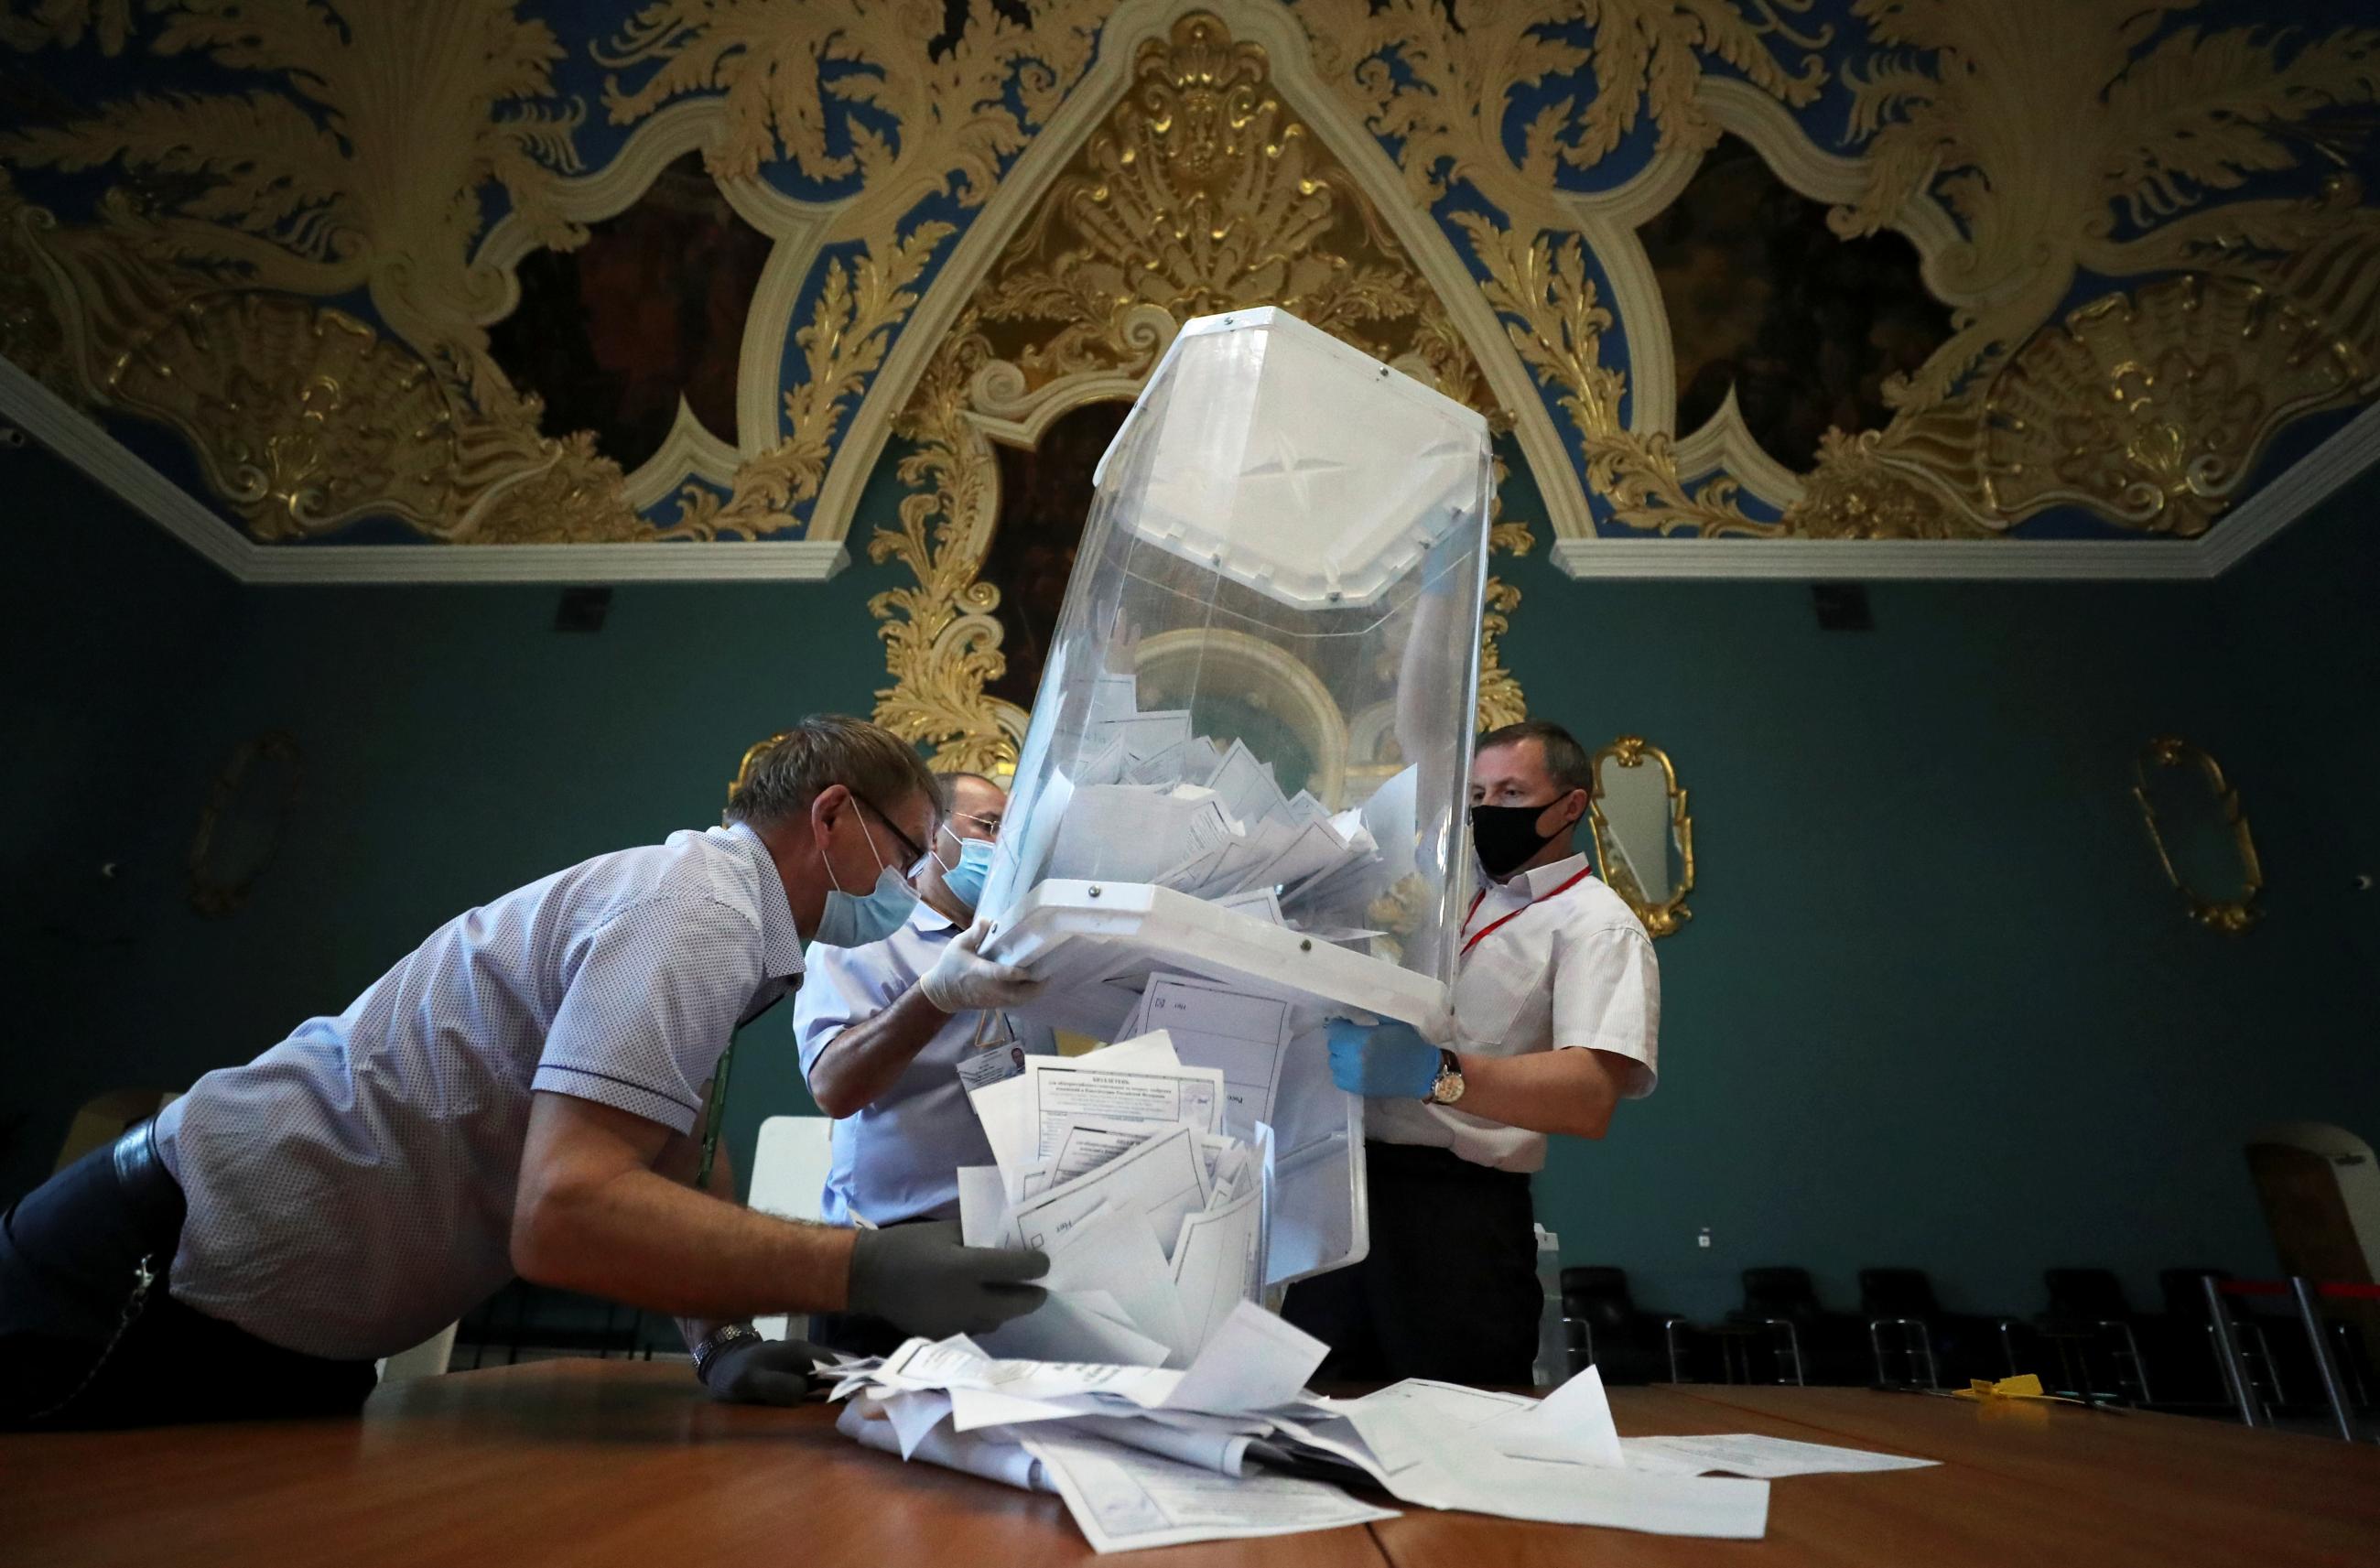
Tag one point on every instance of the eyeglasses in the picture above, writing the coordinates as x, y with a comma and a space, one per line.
917, 856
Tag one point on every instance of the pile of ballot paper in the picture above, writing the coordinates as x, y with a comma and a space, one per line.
1148, 801
1126, 1168
1236, 1445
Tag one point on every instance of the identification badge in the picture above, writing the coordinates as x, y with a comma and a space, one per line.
981, 1069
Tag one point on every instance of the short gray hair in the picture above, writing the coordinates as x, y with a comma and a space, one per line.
949, 785
1566, 760
829, 749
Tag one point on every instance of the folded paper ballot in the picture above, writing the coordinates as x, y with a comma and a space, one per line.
1150, 801
1123, 1165
1236, 1445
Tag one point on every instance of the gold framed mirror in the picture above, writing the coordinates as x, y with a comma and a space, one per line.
2200, 833
242, 822
1644, 839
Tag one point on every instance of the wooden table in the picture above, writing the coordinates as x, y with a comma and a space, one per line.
623, 1463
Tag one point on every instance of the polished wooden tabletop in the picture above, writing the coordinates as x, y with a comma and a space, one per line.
604, 1463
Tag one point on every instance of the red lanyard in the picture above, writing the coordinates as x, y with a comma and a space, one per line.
1481, 896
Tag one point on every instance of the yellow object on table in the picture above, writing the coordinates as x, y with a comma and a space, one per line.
2026, 1385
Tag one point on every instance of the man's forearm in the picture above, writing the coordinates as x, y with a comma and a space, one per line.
865, 1061
1545, 1091
644, 1240
721, 1185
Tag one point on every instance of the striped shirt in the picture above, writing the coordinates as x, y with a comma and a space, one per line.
350, 1191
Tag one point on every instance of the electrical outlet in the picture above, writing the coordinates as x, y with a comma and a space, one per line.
1703, 1238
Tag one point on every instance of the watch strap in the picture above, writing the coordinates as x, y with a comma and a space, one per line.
719, 1339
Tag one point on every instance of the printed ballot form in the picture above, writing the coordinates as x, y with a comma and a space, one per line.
1059, 1089
1234, 1445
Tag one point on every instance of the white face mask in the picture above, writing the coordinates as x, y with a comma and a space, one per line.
855, 922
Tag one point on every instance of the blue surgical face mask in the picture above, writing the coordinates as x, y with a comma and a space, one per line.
965, 880
855, 922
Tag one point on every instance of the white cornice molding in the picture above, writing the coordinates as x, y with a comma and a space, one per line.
2297, 490
81, 439
1848, 560
799, 560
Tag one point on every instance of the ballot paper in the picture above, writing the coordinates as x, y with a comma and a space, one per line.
1434, 1446
1746, 1453
1059, 1088
1134, 832
1118, 1255
994, 1460
1241, 1035
1245, 786
1123, 1498
1071, 1324
1262, 902
1215, 1264
1162, 1180
1089, 1142
1148, 1456
1144, 734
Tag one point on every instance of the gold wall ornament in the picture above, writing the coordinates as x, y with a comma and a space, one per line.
2152, 408
356, 163
2035, 141
2168, 758
1198, 192
958, 114
245, 817
303, 417
1445, 103
1635, 837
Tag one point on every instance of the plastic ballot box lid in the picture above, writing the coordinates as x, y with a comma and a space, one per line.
1263, 465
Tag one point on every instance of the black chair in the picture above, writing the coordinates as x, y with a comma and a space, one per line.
2194, 1367
1824, 1346
1608, 1332
2088, 1313
1905, 1321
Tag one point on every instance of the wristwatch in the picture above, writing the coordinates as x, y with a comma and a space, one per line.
1447, 1088
719, 1339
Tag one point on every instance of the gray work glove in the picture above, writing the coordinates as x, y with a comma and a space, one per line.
761, 1371
963, 980
921, 1279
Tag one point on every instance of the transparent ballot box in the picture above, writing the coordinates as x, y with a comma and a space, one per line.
1249, 754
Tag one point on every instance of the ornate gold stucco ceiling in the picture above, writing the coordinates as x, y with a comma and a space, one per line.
281, 231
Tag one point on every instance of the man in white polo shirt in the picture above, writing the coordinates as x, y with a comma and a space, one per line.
520, 1094
1556, 1012
883, 1031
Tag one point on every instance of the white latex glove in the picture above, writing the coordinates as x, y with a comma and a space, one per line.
963, 980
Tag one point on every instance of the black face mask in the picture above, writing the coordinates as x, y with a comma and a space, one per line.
1504, 836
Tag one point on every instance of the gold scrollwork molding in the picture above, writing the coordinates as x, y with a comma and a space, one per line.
2033, 129
2230, 912
356, 163
1199, 192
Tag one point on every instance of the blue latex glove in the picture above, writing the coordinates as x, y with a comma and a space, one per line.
1387, 1061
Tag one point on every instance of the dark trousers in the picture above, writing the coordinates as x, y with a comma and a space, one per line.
84, 1343
1450, 1287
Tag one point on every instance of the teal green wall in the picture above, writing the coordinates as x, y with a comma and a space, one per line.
1937, 1006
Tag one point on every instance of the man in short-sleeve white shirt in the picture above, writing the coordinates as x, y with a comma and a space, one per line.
523, 1093
1557, 1018
881, 1047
